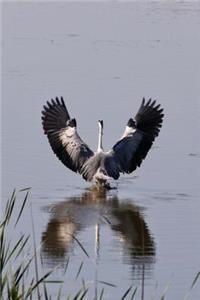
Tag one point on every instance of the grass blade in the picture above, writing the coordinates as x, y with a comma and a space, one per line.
42, 279
126, 293
45, 292
79, 244
54, 281
35, 255
107, 283
79, 270
22, 208
15, 248
83, 295
134, 293
59, 293
66, 266
101, 295
25, 268
25, 189
165, 291
195, 280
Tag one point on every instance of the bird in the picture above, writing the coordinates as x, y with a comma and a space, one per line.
100, 166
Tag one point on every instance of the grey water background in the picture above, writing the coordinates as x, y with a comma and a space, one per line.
103, 58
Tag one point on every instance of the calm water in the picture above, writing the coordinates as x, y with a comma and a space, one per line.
103, 58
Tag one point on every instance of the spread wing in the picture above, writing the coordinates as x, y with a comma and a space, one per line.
62, 135
139, 135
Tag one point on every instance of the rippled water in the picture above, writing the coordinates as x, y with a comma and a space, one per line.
103, 58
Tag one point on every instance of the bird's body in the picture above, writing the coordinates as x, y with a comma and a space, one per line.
125, 156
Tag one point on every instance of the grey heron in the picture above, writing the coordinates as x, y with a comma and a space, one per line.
100, 166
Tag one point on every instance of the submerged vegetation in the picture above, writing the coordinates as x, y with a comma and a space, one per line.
17, 261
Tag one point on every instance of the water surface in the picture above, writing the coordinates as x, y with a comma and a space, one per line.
103, 58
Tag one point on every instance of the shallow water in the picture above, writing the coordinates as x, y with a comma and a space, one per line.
103, 58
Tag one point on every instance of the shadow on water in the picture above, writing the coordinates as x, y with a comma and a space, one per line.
73, 216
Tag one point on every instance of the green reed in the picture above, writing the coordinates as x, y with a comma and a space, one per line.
15, 263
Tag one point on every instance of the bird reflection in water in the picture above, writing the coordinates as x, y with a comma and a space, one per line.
98, 208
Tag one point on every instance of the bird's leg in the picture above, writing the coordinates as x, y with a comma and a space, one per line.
107, 186
102, 184
99, 184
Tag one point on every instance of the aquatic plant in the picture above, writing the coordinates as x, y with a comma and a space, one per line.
15, 262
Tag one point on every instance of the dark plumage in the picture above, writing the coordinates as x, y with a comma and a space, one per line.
66, 144
125, 156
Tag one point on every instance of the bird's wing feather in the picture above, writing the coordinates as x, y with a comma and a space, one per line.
64, 140
128, 153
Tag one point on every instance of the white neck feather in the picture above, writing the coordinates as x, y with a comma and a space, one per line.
70, 131
100, 147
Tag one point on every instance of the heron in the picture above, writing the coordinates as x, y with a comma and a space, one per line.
125, 156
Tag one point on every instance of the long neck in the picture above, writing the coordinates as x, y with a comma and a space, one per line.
100, 147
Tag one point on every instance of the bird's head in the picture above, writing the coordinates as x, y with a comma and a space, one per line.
100, 122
